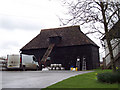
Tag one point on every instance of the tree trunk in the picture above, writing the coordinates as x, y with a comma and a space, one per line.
108, 38
111, 56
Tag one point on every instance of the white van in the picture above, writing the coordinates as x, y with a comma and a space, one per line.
22, 61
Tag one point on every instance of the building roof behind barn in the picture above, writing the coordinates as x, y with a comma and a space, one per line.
71, 36
114, 31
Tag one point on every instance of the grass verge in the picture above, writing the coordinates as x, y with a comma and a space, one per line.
88, 80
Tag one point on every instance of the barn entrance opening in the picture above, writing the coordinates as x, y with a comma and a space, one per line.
52, 42
55, 40
84, 64
78, 62
81, 63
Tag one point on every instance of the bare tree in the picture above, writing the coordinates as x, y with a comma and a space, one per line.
100, 15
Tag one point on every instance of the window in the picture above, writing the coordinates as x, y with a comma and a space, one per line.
55, 39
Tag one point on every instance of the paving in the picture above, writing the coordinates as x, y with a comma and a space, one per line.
0, 80
35, 79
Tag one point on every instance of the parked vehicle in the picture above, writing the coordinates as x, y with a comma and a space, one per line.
2, 64
22, 61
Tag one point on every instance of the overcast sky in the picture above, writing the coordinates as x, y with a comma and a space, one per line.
22, 20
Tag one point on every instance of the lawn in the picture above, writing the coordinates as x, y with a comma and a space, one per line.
87, 80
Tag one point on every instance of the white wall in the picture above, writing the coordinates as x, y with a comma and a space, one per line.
115, 51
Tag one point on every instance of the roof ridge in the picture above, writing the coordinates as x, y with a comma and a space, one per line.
60, 28
71, 35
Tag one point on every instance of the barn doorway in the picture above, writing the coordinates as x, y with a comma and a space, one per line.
84, 64
48, 62
78, 63
81, 63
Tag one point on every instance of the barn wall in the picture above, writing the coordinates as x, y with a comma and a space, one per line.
95, 57
67, 56
37, 52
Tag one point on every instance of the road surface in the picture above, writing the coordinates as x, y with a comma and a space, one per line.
35, 79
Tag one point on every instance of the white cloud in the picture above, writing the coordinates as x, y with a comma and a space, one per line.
13, 41
21, 21
43, 12
12, 22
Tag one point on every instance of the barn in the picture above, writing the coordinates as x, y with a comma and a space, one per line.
64, 45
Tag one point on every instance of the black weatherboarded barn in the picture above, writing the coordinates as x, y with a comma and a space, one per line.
70, 43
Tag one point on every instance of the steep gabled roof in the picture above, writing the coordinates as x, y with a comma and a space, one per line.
70, 36
114, 31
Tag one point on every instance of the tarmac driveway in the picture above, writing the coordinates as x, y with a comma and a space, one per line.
35, 79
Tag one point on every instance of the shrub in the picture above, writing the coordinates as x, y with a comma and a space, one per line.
118, 70
109, 77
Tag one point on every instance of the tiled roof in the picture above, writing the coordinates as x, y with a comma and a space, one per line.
114, 31
71, 36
